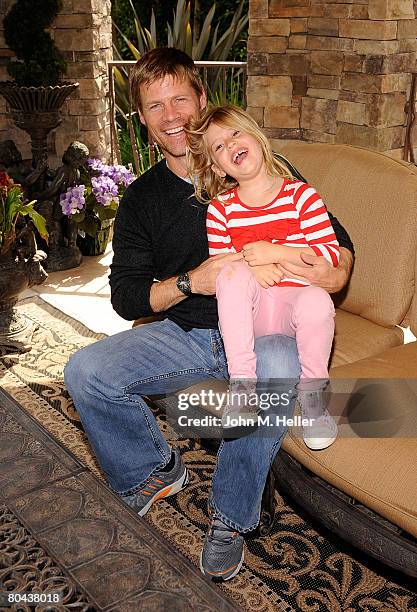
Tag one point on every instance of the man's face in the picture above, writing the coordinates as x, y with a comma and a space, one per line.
167, 105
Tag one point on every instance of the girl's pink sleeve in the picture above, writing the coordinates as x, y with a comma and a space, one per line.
218, 236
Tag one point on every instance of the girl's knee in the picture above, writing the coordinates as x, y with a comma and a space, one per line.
234, 271
316, 302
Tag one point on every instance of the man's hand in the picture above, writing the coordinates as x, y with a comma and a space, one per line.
259, 253
203, 278
267, 275
319, 271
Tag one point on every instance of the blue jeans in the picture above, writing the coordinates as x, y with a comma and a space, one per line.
108, 379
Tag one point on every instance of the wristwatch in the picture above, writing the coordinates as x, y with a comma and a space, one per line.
184, 283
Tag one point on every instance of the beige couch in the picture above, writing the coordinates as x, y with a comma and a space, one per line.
374, 460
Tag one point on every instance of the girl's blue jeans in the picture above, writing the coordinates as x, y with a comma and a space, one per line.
107, 381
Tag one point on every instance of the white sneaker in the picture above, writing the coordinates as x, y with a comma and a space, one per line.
321, 433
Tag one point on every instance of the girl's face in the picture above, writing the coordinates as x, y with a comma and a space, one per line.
235, 153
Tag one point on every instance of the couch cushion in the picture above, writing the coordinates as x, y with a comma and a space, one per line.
398, 362
378, 471
356, 338
375, 198
413, 310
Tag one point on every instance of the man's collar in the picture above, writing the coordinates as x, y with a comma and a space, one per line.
184, 178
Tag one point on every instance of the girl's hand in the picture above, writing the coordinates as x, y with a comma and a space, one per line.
260, 253
267, 275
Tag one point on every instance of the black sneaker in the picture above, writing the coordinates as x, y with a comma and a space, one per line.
222, 554
161, 484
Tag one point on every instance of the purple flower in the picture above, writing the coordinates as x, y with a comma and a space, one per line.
104, 189
72, 200
95, 164
119, 174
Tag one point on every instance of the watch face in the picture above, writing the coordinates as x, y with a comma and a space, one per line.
183, 284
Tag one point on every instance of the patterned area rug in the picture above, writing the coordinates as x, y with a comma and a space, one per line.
299, 567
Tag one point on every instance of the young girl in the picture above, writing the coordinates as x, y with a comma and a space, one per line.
258, 209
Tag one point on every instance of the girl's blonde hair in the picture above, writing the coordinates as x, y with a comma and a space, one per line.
199, 159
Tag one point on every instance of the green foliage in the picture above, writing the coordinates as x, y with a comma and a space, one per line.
142, 147
12, 207
39, 61
227, 89
163, 11
202, 41
189, 37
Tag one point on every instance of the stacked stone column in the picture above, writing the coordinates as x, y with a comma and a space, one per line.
83, 33
332, 71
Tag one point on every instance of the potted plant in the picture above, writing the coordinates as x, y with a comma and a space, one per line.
93, 203
20, 261
35, 96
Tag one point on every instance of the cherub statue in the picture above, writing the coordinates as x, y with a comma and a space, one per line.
63, 250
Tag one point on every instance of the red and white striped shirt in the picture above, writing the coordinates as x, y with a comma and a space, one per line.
295, 218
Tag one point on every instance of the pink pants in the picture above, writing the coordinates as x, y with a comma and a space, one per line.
248, 311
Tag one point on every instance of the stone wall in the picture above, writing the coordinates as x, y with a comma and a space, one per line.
82, 32
332, 70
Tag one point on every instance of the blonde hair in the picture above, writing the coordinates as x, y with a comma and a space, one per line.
199, 159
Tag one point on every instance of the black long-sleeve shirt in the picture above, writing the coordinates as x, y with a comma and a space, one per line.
159, 232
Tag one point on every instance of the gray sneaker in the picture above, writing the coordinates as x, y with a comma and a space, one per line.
222, 554
240, 414
161, 484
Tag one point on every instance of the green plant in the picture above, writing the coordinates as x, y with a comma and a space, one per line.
200, 42
38, 60
180, 33
144, 156
227, 88
12, 208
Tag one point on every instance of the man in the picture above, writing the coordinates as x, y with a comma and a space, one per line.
160, 234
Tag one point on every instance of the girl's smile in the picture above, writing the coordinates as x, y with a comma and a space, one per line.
235, 153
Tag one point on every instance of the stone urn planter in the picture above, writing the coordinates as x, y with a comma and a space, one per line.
18, 271
36, 110
36, 94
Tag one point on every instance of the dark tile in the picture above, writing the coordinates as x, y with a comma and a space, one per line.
114, 556
48, 508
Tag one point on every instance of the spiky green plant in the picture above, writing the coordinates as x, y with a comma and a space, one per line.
181, 35
198, 41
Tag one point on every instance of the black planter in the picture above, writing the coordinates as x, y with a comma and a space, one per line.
16, 275
95, 245
36, 110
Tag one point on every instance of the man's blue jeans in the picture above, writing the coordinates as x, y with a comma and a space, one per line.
108, 379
